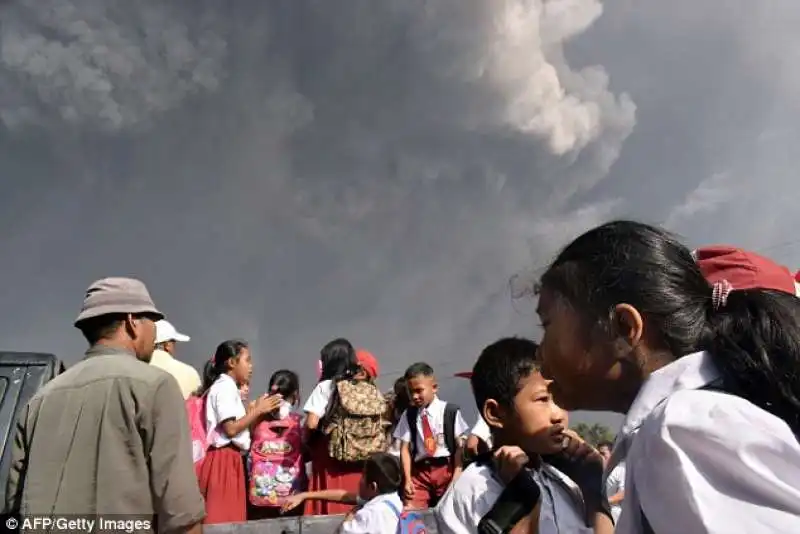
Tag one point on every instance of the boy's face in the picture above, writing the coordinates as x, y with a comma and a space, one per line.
536, 424
422, 389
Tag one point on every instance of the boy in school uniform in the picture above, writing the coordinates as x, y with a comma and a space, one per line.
378, 501
430, 434
525, 424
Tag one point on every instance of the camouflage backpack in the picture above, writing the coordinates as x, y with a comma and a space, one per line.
357, 425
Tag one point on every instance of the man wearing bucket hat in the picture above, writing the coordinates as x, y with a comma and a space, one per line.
167, 337
110, 435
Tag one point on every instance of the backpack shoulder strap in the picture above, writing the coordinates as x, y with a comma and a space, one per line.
411, 418
397, 511
450, 438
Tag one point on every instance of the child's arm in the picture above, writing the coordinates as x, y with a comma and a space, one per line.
332, 495
603, 524
264, 405
406, 462
402, 433
458, 461
530, 524
461, 429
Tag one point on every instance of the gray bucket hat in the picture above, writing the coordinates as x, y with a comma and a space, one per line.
117, 295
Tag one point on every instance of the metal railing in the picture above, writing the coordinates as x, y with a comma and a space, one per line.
316, 524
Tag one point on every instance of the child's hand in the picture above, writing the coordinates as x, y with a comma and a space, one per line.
292, 502
584, 465
510, 461
268, 403
408, 490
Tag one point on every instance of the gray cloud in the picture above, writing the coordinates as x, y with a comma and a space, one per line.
293, 171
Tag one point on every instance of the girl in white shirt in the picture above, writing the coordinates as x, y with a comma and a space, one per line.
338, 362
221, 475
702, 351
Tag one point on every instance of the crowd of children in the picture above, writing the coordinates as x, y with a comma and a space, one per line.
372, 456
520, 464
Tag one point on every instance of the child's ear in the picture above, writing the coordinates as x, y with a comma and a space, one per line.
493, 413
373, 488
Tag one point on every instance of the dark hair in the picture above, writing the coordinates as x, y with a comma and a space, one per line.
338, 359
105, 326
284, 382
401, 401
101, 327
418, 369
209, 376
754, 339
606, 444
499, 369
226, 350
384, 470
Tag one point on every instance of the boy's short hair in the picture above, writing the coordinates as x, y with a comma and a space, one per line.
384, 470
609, 445
418, 369
499, 369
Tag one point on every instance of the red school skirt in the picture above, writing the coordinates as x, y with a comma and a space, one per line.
328, 473
221, 479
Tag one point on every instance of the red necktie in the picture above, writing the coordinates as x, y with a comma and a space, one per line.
427, 435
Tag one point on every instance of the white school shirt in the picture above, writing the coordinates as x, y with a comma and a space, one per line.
472, 496
376, 516
435, 411
705, 462
224, 402
317, 402
614, 484
482, 431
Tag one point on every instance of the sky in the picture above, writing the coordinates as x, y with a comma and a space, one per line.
289, 172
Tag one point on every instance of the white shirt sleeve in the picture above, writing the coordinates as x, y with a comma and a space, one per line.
402, 432
482, 430
227, 403
711, 462
466, 501
616, 480
461, 426
317, 402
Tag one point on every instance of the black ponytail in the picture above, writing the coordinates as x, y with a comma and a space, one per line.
285, 382
754, 339
339, 360
218, 365
755, 343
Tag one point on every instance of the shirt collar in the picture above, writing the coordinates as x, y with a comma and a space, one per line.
104, 350
226, 376
434, 405
692, 371
386, 497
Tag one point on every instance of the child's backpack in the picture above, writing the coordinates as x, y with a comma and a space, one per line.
196, 412
277, 470
357, 425
410, 522
450, 438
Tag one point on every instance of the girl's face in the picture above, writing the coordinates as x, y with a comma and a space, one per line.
241, 367
583, 371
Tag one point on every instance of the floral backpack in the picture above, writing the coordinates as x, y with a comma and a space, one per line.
277, 470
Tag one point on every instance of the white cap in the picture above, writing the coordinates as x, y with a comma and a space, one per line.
166, 332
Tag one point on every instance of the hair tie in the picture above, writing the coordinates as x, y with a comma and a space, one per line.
719, 293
